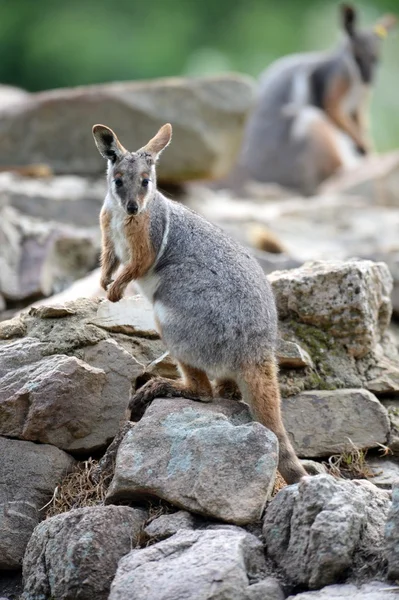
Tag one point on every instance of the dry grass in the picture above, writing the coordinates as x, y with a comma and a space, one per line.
279, 484
351, 464
79, 489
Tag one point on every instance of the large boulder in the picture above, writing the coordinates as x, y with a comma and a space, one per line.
39, 259
321, 423
205, 565
65, 380
207, 115
65, 199
324, 530
75, 554
29, 474
206, 458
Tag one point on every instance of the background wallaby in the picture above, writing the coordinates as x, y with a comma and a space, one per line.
311, 115
213, 305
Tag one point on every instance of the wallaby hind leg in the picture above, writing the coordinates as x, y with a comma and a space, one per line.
260, 389
227, 388
194, 385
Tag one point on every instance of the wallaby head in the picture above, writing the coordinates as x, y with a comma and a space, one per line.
365, 44
131, 175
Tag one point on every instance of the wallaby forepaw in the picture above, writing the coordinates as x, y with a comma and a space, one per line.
105, 282
114, 293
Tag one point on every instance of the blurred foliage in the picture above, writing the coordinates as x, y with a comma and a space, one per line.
56, 43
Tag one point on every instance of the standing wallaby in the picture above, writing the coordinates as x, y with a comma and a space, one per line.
213, 305
310, 119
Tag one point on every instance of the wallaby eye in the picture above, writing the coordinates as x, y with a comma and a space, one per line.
145, 182
118, 182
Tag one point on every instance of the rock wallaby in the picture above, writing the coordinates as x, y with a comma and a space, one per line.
213, 305
310, 119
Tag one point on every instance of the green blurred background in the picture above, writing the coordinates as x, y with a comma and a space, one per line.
57, 43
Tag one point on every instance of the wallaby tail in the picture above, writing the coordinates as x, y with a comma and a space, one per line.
260, 389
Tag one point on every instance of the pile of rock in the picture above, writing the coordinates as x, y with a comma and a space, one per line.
65, 379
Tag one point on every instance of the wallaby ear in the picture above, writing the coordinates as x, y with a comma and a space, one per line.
107, 143
349, 18
159, 142
384, 25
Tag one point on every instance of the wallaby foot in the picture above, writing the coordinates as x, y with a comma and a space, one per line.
260, 389
194, 385
227, 388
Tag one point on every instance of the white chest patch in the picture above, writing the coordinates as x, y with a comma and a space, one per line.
148, 284
118, 237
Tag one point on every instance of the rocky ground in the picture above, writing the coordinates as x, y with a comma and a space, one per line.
187, 503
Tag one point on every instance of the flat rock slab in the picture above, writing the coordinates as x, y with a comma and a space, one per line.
322, 423
385, 472
377, 590
207, 114
323, 530
29, 474
75, 554
134, 316
167, 525
205, 565
197, 458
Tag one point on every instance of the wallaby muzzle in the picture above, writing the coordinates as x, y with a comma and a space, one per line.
132, 208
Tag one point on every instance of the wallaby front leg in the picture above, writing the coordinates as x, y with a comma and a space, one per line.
109, 260
194, 385
115, 292
335, 96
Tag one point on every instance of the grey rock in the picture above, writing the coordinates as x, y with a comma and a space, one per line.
321, 423
392, 407
292, 356
323, 530
197, 458
216, 563
392, 535
41, 258
349, 299
267, 589
207, 114
10, 95
376, 590
313, 467
75, 554
166, 525
65, 199
29, 474
384, 471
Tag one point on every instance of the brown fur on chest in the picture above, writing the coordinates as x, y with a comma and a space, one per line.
138, 238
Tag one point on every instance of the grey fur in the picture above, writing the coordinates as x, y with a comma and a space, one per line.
221, 310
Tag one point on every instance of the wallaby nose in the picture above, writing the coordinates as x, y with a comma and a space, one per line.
132, 208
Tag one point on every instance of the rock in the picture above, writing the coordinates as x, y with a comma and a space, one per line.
129, 315
207, 115
349, 299
9, 96
181, 451
29, 474
38, 259
313, 467
217, 563
376, 178
323, 530
75, 554
384, 471
369, 591
67, 381
321, 423
387, 383
65, 199
391, 535
166, 525
11, 585
267, 589
292, 356
392, 407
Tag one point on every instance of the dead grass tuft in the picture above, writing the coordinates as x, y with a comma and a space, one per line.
351, 464
279, 484
79, 489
